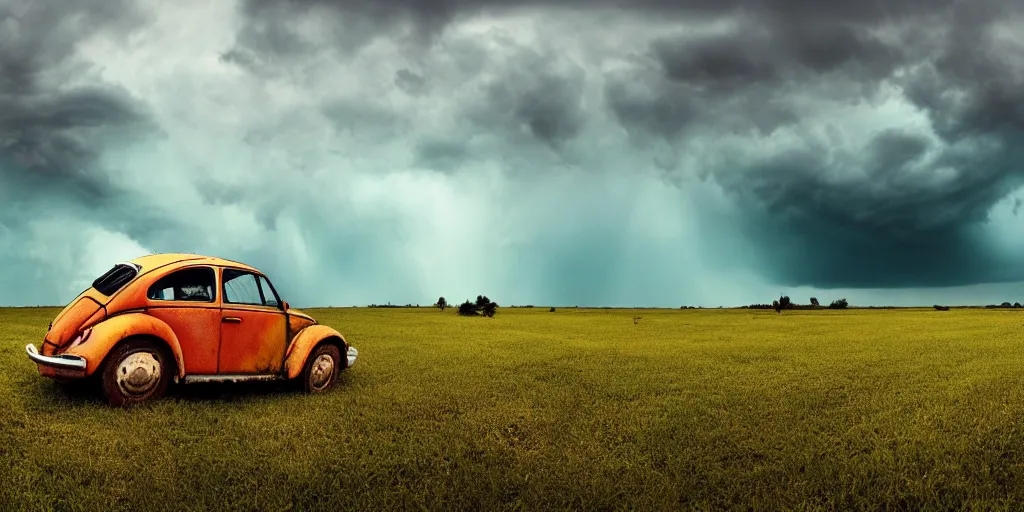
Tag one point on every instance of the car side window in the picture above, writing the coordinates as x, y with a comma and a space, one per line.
241, 288
269, 296
195, 284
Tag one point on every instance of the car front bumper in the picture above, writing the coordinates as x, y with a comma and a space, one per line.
352, 355
60, 362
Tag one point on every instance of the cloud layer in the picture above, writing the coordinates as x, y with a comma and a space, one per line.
567, 152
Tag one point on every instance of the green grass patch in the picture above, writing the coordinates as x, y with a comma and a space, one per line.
577, 409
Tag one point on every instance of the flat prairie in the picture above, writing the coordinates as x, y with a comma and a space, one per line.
582, 409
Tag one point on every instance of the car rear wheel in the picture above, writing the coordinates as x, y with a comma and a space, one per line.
322, 369
136, 371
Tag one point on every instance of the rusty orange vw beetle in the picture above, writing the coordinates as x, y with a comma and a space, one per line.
186, 318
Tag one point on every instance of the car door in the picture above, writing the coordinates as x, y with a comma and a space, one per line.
253, 325
186, 300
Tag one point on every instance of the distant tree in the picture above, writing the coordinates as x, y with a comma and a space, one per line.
483, 305
467, 309
814, 302
1006, 305
785, 303
490, 309
442, 303
838, 304
552, 310
941, 308
777, 306
1016, 304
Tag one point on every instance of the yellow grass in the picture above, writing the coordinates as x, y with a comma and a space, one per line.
577, 409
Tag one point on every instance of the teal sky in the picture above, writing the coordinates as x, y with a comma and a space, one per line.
552, 153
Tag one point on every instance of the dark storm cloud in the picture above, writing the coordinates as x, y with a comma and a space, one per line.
904, 207
57, 120
662, 110
534, 93
363, 119
440, 154
756, 54
435, 13
39, 35
410, 82
648, 106
892, 150
767, 68
51, 134
55, 138
527, 106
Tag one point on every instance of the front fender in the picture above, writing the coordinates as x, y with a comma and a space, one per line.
108, 333
302, 344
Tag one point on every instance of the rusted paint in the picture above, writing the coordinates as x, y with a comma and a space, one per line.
255, 344
88, 293
297, 321
105, 335
67, 325
197, 379
303, 344
60, 373
198, 331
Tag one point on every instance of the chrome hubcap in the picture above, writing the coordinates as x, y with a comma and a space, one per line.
138, 373
323, 368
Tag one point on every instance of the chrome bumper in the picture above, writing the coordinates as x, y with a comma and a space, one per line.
66, 362
352, 355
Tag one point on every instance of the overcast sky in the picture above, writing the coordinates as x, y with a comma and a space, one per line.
651, 152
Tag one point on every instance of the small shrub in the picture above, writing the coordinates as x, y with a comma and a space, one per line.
552, 310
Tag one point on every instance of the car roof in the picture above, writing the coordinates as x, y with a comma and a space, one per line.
153, 261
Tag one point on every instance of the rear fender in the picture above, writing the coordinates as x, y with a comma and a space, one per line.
108, 333
303, 344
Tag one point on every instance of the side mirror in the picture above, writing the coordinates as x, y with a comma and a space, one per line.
285, 306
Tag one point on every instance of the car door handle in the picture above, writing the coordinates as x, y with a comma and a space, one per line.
232, 319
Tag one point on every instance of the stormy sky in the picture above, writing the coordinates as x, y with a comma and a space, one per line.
646, 152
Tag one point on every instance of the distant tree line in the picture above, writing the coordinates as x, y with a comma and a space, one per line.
784, 302
483, 306
1004, 305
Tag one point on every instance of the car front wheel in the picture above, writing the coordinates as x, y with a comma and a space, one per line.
136, 371
322, 368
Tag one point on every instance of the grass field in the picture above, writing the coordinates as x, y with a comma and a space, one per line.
577, 409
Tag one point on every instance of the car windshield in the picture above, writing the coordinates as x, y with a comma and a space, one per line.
115, 278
